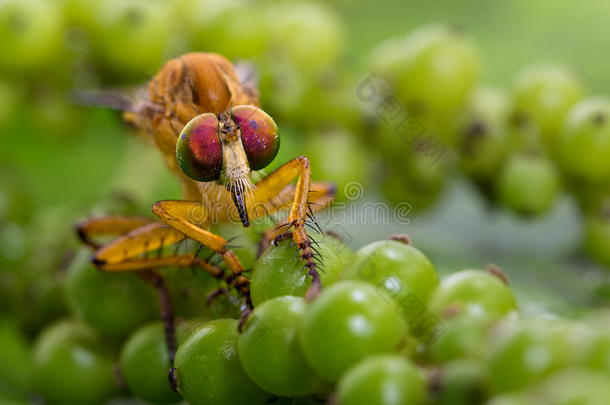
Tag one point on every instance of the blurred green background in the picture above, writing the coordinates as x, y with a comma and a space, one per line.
60, 162
62, 159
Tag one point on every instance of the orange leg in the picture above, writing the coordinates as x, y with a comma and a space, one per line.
108, 226
268, 196
129, 252
179, 215
139, 241
273, 185
320, 196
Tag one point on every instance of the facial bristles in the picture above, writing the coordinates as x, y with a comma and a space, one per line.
244, 186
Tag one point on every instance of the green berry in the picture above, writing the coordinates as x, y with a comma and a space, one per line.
269, 348
584, 145
145, 362
439, 68
280, 271
475, 293
545, 93
526, 352
115, 304
462, 337
71, 366
208, 369
529, 185
347, 322
30, 34
308, 34
131, 36
382, 380
483, 133
400, 270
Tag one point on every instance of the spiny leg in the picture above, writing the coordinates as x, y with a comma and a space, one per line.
320, 196
125, 254
180, 216
130, 252
112, 225
272, 185
139, 241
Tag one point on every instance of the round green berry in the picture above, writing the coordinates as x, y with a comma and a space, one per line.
400, 270
280, 271
115, 304
382, 380
208, 369
476, 293
584, 145
145, 362
439, 68
269, 348
529, 185
347, 322
71, 366
545, 93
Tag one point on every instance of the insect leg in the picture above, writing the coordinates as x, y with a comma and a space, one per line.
320, 196
107, 226
183, 216
272, 185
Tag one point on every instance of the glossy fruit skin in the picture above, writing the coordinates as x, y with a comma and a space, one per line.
279, 271
529, 185
382, 380
545, 93
198, 148
426, 79
209, 371
145, 363
259, 135
584, 145
269, 348
14, 361
115, 304
526, 352
463, 337
398, 269
475, 293
70, 365
597, 238
347, 322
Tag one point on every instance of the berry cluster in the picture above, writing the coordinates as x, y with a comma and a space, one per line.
521, 147
384, 330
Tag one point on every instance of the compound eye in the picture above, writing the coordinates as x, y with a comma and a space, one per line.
198, 149
258, 134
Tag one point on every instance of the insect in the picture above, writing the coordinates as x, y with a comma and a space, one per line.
214, 137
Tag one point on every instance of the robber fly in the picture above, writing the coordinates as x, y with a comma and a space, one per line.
214, 137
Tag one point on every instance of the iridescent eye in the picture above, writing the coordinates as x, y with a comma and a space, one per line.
258, 135
198, 149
